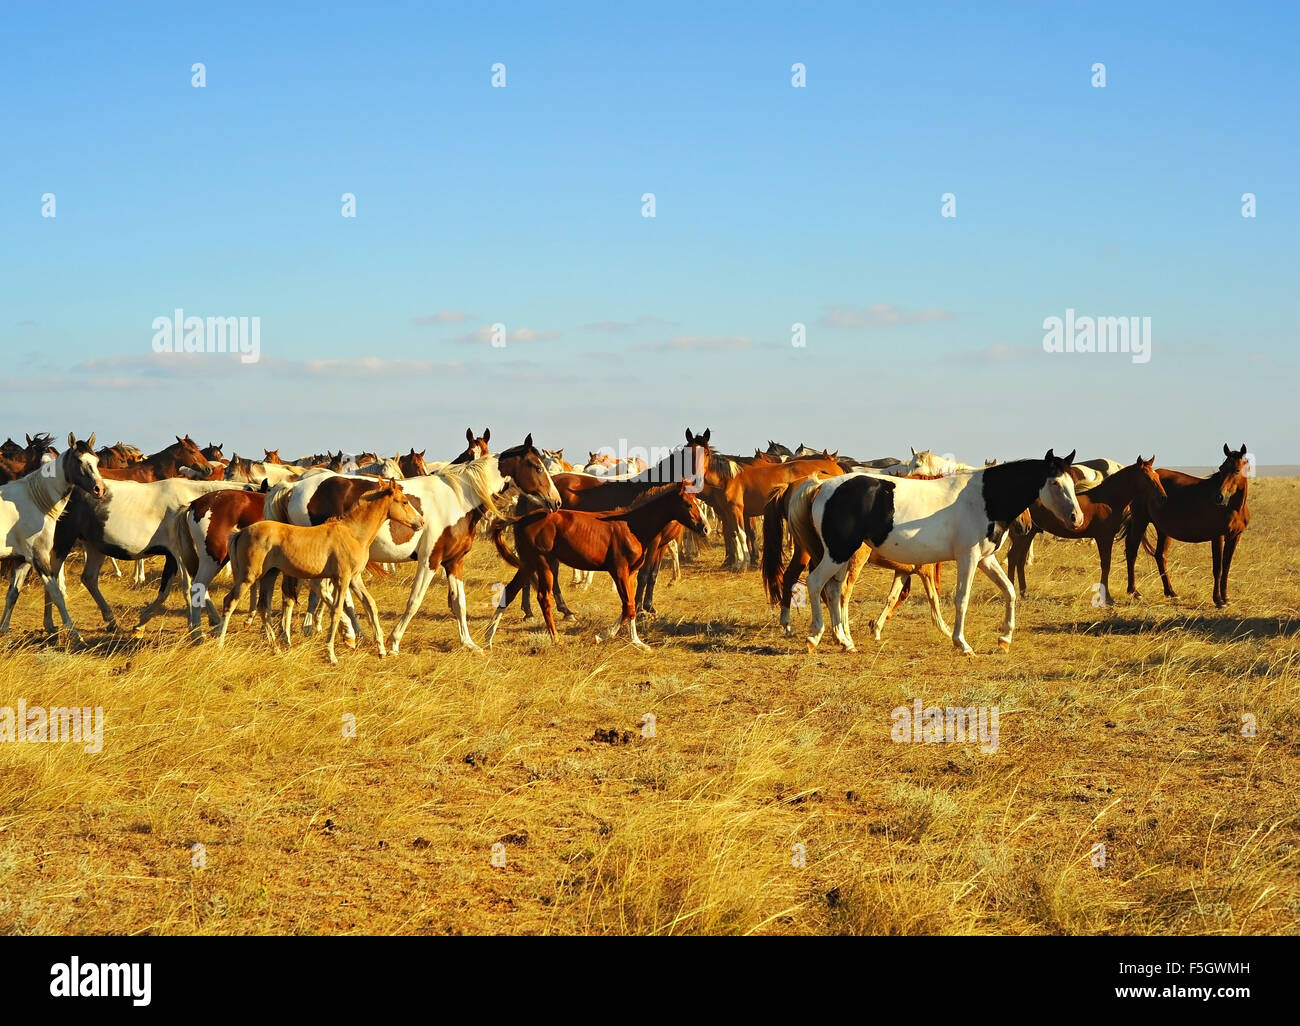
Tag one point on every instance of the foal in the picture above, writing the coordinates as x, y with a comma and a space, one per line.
336, 550
616, 542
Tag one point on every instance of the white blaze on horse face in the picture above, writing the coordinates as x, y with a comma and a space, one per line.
1058, 496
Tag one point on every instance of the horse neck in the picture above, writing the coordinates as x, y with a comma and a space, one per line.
1120, 489
649, 519
49, 493
366, 517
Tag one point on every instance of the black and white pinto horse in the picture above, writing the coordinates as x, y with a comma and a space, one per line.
30, 508
962, 517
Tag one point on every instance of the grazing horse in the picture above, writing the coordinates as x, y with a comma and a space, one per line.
1106, 509
961, 517
477, 446
1200, 509
29, 511
452, 501
617, 542
793, 505
336, 550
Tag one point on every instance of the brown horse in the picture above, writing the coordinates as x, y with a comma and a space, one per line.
617, 542
337, 550
477, 446
181, 455
790, 505
1106, 509
17, 461
412, 464
747, 493
1199, 509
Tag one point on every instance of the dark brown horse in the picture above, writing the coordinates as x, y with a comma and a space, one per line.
413, 464
17, 460
1199, 509
1106, 509
477, 446
617, 542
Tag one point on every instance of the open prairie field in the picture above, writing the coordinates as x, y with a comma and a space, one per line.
518, 792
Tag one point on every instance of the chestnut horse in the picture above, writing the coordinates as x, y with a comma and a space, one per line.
477, 446
170, 462
1199, 509
617, 542
745, 495
1106, 510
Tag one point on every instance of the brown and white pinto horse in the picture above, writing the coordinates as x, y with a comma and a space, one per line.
617, 542
203, 542
1199, 509
477, 446
337, 551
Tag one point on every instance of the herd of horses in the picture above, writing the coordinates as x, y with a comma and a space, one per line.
331, 520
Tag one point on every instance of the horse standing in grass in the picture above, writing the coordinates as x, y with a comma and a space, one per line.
29, 510
793, 505
1199, 509
961, 517
617, 542
337, 550
1106, 509
203, 542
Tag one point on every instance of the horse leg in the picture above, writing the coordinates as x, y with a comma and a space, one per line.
288, 602
242, 584
993, 570
1162, 546
456, 600
629, 609
967, 563
895, 589
11, 597
835, 603
1104, 545
424, 575
798, 564
160, 600
1216, 554
512, 589
337, 601
560, 604
1229, 547
526, 601
54, 589
1132, 542
1017, 552
372, 610
545, 580
930, 583
751, 542
90, 578
674, 549
817, 578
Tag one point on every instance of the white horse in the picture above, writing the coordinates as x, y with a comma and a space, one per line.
29, 510
928, 464
962, 517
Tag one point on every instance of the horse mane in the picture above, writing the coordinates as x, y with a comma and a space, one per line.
473, 481
648, 496
276, 506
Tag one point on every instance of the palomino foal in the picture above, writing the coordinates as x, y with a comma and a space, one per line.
336, 550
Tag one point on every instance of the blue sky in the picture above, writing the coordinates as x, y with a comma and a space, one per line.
774, 205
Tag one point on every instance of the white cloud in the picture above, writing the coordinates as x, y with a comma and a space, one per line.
883, 315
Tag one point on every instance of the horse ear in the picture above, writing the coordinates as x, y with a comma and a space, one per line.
688, 436
1243, 448
72, 440
469, 435
559, 454
1070, 459
705, 437
1226, 450
90, 442
1050, 456
28, 437
913, 448
528, 442
487, 434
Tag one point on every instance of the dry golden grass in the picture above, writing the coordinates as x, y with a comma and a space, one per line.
1122, 728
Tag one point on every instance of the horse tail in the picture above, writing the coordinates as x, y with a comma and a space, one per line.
773, 539
497, 533
233, 545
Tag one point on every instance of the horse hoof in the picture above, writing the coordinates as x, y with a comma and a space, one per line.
812, 646
1004, 645
968, 655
